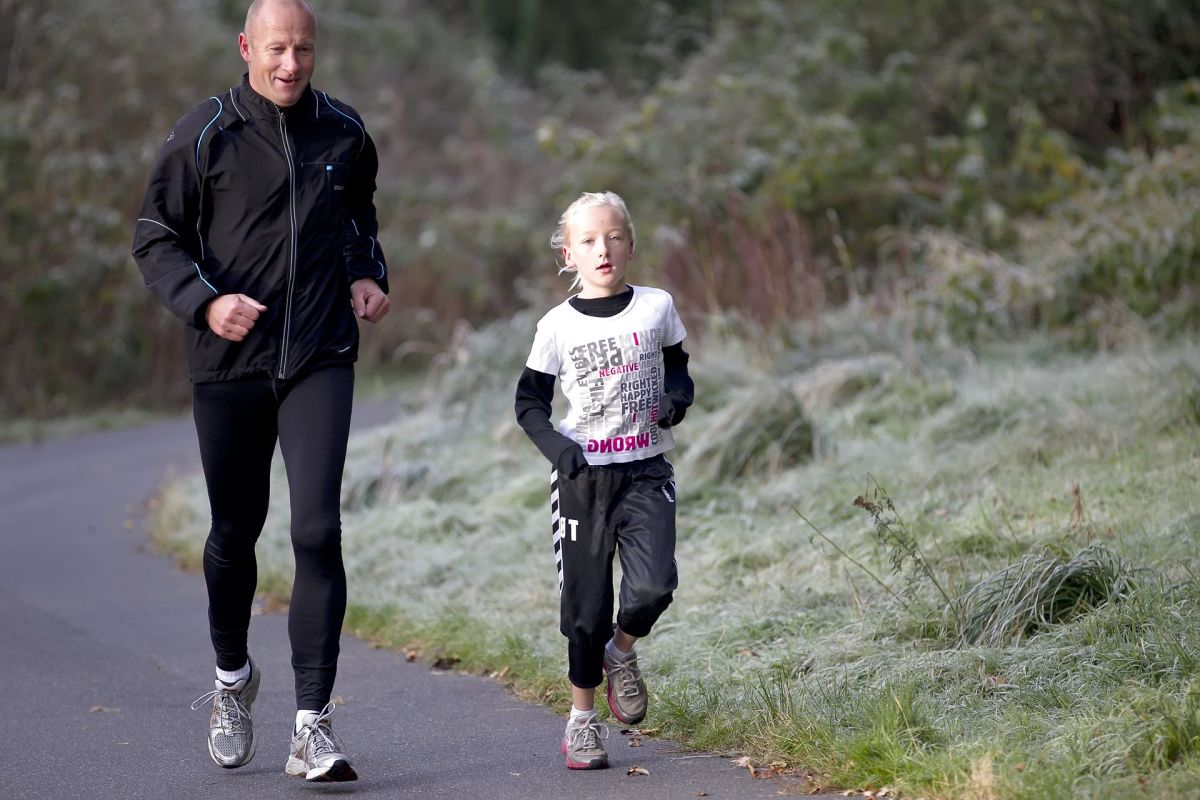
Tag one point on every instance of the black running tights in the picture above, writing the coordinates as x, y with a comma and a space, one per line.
238, 423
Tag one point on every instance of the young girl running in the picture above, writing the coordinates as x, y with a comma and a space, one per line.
618, 350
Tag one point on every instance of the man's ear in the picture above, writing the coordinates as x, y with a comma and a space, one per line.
244, 47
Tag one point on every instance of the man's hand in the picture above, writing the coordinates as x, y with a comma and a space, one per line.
370, 303
232, 316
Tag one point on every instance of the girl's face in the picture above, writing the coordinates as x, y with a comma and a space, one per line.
598, 246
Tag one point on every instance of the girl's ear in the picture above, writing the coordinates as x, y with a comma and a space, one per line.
566, 255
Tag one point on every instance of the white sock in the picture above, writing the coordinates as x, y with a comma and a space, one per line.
230, 678
305, 718
617, 653
576, 714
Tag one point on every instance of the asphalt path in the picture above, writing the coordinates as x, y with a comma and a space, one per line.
105, 645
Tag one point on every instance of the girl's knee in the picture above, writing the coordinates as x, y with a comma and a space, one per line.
648, 604
652, 597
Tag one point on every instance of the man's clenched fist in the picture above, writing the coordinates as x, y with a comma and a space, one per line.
232, 316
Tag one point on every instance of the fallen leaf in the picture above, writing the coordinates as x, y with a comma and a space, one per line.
744, 761
639, 731
747, 652
102, 710
338, 700
635, 741
701, 793
638, 771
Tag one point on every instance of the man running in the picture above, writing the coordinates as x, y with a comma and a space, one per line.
258, 231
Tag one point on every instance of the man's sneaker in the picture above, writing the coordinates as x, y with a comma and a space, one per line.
583, 743
230, 730
317, 753
626, 689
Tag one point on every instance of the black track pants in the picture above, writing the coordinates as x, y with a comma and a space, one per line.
238, 423
624, 508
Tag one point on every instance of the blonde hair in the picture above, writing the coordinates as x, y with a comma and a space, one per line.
558, 239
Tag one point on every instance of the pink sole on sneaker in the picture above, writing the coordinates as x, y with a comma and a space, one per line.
595, 763
613, 706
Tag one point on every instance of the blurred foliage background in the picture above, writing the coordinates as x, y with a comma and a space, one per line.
970, 171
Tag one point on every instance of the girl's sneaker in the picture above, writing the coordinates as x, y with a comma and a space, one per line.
583, 743
626, 689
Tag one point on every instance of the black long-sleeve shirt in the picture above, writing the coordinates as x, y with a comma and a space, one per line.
274, 203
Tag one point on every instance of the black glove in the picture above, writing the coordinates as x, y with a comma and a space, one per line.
571, 462
670, 411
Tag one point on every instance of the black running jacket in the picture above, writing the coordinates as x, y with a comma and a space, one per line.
274, 203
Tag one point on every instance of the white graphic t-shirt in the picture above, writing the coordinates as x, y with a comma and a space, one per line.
611, 370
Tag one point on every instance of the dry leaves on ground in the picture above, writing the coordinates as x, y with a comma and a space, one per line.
762, 770
885, 792
635, 735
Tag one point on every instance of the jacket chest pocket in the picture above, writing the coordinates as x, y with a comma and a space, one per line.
326, 180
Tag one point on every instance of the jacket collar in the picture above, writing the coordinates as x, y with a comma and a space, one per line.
252, 104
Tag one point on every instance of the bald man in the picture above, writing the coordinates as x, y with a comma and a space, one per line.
258, 231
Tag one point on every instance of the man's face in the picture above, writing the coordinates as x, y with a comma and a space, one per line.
280, 50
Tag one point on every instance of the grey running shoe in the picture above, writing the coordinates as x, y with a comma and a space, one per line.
626, 689
317, 753
230, 730
583, 743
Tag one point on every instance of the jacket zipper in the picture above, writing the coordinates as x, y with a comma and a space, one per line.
291, 277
